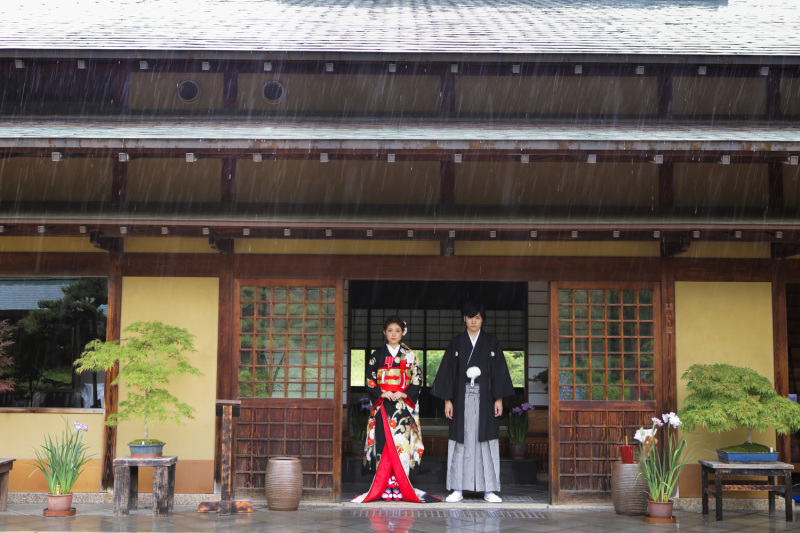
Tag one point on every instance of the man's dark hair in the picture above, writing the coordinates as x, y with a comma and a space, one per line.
470, 309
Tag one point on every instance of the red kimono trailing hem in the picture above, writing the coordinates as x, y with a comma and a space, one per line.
388, 465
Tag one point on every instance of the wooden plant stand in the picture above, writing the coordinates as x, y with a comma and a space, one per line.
226, 504
126, 483
6, 465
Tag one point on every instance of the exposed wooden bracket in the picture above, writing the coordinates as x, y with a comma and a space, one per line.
675, 245
448, 245
220, 244
782, 250
109, 244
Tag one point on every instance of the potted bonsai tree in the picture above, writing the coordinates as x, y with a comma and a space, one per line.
147, 359
723, 397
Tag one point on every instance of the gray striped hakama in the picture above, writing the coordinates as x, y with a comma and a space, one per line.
474, 465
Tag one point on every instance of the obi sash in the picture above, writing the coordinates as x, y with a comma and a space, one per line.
394, 379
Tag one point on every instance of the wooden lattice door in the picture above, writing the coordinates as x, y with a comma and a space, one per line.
289, 351
605, 364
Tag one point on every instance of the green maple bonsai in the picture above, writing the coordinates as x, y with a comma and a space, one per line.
723, 397
147, 360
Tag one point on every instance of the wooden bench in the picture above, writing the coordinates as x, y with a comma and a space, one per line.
126, 483
719, 471
5, 470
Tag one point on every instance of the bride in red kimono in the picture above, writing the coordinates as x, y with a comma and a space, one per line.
394, 442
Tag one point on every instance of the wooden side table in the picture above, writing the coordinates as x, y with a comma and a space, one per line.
719, 471
6, 465
126, 483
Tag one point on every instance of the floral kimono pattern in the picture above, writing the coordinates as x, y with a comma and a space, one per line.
394, 441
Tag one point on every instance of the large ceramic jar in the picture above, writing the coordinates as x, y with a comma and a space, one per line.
284, 483
628, 489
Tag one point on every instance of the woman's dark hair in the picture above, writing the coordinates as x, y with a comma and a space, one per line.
394, 320
470, 309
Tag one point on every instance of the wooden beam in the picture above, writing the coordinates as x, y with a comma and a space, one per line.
109, 244
675, 245
666, 184
773, 82
447, 182
775, 183
665, 94
220, 244
228, 180
111, 393
225, 359
668, 397
448, 93
119, 182
230, 90
782, 250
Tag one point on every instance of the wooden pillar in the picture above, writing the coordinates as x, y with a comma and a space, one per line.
665, 94
119, 182
447, 183
775, 177
228, 180
773, 94
667, 400
780, 342
666, 184
111, 394
225, 364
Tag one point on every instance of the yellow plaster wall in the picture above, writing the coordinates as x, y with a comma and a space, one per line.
552, 248
191, 303
335, 247
22, 431
159, 90
557, 94
168, 245
554, 184
31, 179
47, 244
343, 93
717, 185
723, 322
701, 95
337, 182
174, 180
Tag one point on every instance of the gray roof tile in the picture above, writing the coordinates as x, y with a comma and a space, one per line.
671, 27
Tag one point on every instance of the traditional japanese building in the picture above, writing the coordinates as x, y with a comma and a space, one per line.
617, 180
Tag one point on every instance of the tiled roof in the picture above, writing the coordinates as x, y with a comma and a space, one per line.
670, 27
453, 135
23, 294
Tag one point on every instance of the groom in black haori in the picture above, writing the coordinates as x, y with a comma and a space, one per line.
472, 380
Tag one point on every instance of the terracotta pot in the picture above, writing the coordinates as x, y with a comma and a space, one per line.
659, 509
517, 450
628, 489
284, 483
59, 503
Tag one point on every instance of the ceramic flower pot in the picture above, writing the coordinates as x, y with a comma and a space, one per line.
146, 450
628, 489
59, 503
661, 510
517, 450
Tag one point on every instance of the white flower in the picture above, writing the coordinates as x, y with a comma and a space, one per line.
668, 416
472, 373
657, 421
642, 434
675, 421
410, 357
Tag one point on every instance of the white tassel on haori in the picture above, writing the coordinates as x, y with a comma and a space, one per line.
473, 372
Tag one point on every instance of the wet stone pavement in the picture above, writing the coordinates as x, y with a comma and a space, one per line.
473, 516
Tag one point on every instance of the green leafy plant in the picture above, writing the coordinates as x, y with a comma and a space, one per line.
517, 421
662, 468
723, 397
357, 417
6, 385
147, 360
62, 460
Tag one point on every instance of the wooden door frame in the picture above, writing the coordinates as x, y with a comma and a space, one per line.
554, 440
